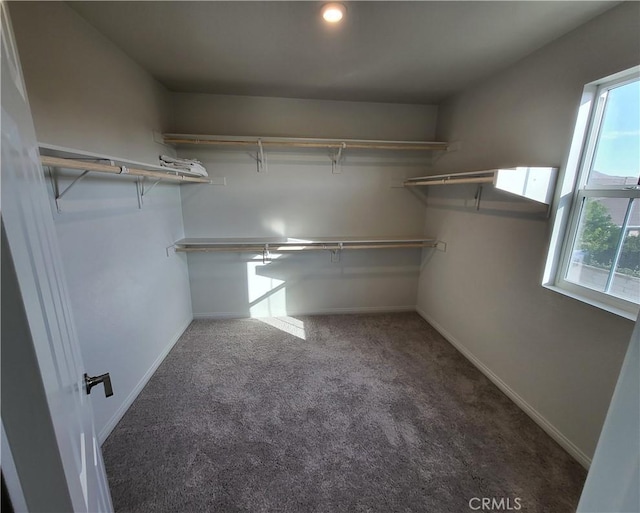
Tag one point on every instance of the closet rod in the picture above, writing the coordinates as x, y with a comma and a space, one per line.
333, 144
116, 170
279, 249
450, 181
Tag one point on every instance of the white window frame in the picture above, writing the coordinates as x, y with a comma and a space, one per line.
572, 191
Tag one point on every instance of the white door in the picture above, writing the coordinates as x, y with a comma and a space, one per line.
30, 234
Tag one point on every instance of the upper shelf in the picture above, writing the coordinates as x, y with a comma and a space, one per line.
297, 142
533, 183
57, 157
65, 158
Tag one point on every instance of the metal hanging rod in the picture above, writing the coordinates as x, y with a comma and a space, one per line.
284, 142
487, 176
268, 246
449, 181
279, 248
65, 163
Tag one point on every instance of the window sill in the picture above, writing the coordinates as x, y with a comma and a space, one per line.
593, 302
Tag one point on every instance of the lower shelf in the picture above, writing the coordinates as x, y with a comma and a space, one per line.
280, 245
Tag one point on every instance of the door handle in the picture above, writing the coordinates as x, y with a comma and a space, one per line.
92, 381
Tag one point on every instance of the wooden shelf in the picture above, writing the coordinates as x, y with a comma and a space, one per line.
297, 142
280, 245
56, 157
64, 158
532, 183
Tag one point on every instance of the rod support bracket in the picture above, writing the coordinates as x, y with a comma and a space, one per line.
171, 250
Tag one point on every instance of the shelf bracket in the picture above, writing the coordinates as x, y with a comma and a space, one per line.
266, 256
335, 253
139, 191
478, 196
336, 159
261, 160
151, 188
59, 194
144, 191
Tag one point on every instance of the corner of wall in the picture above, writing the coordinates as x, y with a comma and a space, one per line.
108, 427
534, 414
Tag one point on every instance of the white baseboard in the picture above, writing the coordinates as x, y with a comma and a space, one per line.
108, 427
536, 416
321, 311
220, 315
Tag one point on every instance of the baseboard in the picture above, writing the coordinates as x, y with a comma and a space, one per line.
536, 416
321, 311
113, 421
220, 315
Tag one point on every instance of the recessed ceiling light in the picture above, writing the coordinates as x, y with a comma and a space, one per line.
333, 13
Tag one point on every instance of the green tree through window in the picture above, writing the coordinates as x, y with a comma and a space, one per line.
599, 240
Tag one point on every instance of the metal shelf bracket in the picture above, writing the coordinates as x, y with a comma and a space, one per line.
139, 186
266, 256
337, 158
335, 253
144, 191
58, 194
478, 196
261, 158
141, 189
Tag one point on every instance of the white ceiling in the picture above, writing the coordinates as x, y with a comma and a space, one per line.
401, 52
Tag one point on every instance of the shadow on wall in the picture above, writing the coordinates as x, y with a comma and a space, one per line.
244, 285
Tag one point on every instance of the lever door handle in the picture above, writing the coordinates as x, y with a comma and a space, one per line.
92, 381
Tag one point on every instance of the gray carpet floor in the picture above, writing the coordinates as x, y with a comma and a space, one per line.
367, 413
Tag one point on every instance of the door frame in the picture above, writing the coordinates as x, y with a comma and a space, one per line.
54, 462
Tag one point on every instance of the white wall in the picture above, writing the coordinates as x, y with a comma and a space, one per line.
83, 89
300, 197
290, 117
130, 301
558, 357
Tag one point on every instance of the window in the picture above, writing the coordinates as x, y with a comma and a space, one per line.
596, 253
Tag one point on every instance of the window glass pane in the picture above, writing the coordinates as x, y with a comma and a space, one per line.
594, 249
617, 156
625, 282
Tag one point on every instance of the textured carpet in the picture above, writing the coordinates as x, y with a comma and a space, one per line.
366, 413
